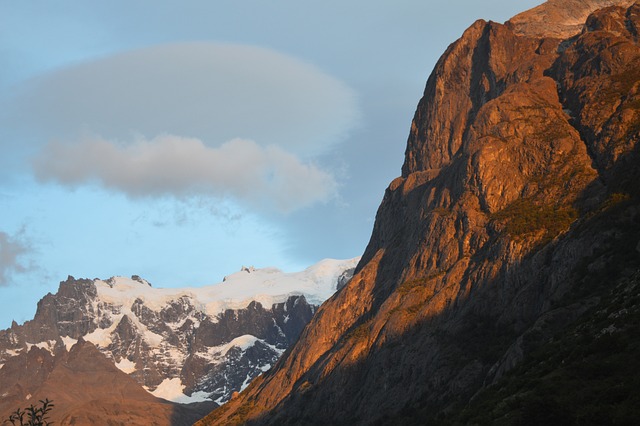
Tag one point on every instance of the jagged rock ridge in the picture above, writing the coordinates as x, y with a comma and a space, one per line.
184, 345
518, 205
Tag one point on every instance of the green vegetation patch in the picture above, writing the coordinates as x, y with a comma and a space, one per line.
407, 286
615, 199
525, 216
441, 211
360, 333
243, 412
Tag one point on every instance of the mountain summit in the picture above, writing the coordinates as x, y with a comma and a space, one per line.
104, 348
504, 264
559, 18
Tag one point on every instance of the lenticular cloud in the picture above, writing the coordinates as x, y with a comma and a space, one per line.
211, 91
267, 178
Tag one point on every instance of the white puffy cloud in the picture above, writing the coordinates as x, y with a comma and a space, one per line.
11, 250
264, 178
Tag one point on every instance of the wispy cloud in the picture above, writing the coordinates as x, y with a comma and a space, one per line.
12, 252
264, 178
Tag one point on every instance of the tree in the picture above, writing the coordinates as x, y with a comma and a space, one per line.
35, 415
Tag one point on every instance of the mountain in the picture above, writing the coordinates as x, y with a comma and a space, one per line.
184, 345
86, 388
501, 284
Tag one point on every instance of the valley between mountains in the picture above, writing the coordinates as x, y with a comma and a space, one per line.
500, 286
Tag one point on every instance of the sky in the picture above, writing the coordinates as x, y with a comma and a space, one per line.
181, 140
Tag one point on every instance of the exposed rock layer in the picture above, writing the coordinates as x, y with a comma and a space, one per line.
520, 182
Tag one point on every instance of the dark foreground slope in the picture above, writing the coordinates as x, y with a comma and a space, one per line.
504, 261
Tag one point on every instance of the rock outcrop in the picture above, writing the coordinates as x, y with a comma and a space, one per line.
516, 213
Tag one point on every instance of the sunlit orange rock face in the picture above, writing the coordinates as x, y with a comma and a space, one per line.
522, 164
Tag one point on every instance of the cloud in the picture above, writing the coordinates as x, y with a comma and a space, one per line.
11, 250
264, 178
211, 91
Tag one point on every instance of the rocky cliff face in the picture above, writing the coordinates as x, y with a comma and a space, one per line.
184, 345
516, 213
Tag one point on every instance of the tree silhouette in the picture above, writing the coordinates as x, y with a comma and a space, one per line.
35, 415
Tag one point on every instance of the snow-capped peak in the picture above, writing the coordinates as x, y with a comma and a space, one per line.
186, 344
266, 286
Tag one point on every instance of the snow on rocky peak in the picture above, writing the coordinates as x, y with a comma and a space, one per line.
184, 344
266, 286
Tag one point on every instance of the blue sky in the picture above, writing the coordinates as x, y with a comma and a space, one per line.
181, 140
